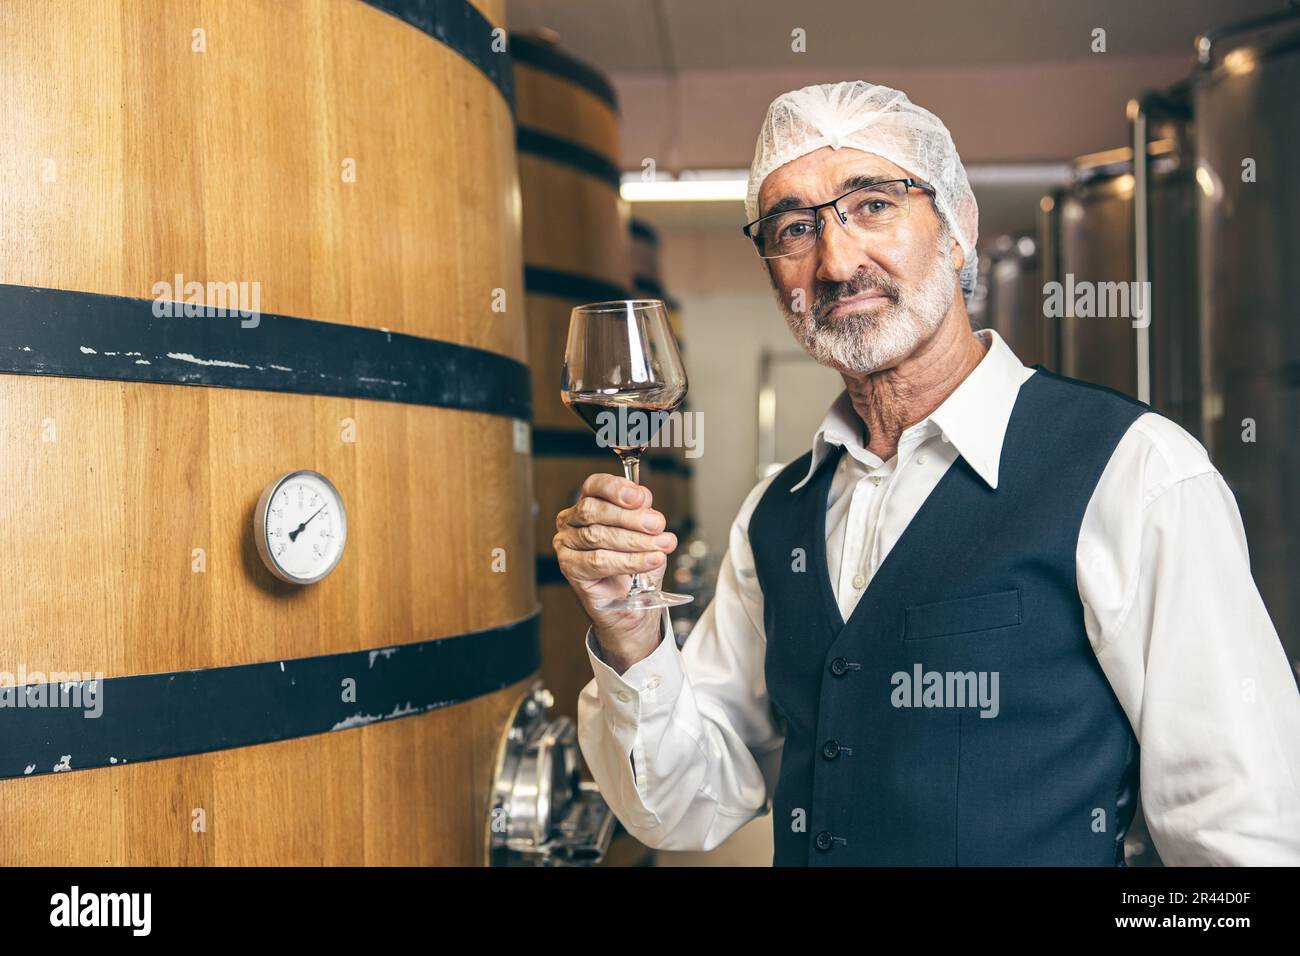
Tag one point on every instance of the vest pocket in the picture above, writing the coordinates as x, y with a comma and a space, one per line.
981, 612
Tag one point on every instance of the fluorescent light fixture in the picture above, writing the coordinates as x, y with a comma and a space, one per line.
730, 185
1043, 175
684, 190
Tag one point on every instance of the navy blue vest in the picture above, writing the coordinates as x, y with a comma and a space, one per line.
981, 582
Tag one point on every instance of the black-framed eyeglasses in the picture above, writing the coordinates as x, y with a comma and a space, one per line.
866, 210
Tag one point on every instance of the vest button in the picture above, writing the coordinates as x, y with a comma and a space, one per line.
839, 667
830, 749
823, 841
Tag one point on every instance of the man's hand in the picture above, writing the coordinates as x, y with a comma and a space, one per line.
609, 534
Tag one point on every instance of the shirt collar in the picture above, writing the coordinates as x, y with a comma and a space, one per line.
973, 417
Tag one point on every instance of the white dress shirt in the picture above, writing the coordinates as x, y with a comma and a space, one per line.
685, 745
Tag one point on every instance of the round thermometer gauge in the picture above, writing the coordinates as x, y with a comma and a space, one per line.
300, 527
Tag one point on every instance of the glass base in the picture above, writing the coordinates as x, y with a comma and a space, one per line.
645, 601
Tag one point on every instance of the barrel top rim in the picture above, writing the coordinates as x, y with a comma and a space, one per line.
461, 27
643, 230
536, 52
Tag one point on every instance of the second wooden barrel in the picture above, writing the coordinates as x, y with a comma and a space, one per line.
575, 251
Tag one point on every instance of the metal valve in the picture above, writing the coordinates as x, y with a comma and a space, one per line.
543, 813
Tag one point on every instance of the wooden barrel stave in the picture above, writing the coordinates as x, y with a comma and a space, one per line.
341, 799
557, 106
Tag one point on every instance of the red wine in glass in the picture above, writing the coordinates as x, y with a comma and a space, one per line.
623, 376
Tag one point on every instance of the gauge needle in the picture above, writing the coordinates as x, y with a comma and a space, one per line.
293, 535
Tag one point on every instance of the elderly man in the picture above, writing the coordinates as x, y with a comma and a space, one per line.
954, 631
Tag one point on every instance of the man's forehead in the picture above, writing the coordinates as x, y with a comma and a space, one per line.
802, 180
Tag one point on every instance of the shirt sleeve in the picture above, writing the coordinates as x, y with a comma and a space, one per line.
1183, 635
684, 744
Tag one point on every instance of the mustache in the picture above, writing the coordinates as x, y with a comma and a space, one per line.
861, 282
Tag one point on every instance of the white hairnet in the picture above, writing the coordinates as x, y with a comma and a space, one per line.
878, 120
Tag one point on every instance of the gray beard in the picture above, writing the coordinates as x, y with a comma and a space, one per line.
876, 338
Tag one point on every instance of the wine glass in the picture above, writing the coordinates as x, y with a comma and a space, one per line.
623, 376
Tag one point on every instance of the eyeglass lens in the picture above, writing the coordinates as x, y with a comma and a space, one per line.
865, 210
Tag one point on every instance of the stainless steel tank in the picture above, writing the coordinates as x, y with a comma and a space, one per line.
1014, 302
1119, 224
1049, 242
1094, 247
1164, 250
1247, 140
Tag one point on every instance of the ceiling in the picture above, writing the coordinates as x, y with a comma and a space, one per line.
667, 36
1015, 81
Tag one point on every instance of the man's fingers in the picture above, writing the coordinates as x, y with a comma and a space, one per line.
613, 489
598, 564
589, 511
594, 537
605, 535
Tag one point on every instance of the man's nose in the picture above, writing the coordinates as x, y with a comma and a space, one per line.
840, 253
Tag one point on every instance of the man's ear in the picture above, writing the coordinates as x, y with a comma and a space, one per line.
956, 255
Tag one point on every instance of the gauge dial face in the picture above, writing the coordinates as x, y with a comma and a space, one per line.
302, 527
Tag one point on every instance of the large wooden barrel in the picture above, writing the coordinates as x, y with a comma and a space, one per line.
356, 161
575, 251
669, 468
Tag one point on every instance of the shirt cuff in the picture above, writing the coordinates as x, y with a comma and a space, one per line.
647, 686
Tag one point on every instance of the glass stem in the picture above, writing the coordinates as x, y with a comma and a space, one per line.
632, 471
